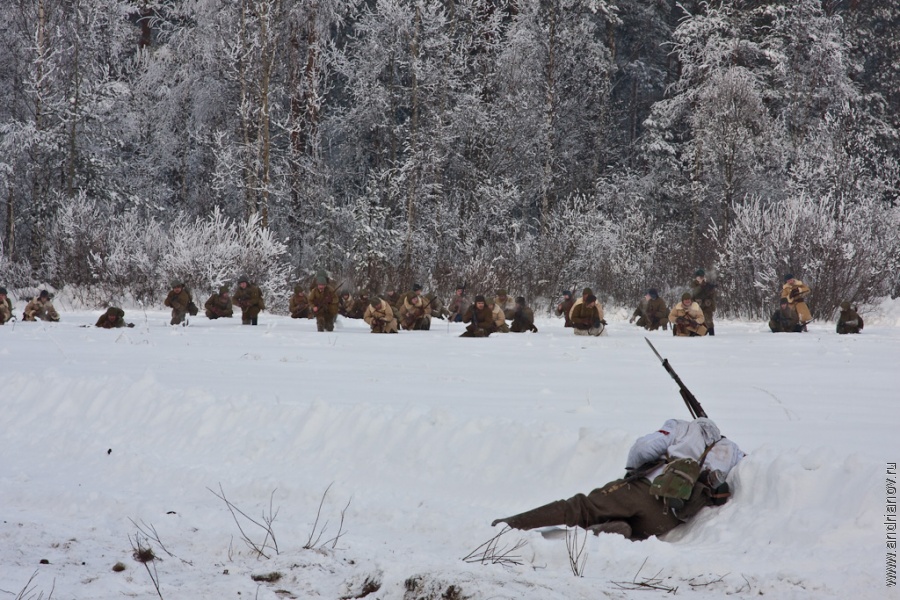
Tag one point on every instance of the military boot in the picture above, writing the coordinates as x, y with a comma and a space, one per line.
542, 516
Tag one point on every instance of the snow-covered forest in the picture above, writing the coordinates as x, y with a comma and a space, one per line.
532, 145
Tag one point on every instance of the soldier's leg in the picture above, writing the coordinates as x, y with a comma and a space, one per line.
211, 315
708, 322
177, 316
329, 322
246, 319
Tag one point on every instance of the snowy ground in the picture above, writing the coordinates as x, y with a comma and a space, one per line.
425, 438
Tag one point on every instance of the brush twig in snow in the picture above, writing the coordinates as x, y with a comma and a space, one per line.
266, 525
492, 553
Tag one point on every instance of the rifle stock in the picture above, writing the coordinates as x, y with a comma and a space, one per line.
689, 399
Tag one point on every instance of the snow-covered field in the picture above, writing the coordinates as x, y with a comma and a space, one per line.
424, 438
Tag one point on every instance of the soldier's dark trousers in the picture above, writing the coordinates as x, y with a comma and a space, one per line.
325, 323
616, 501
177, 316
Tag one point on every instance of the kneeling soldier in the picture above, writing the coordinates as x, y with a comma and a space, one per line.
219, 305
380, 316
41, 308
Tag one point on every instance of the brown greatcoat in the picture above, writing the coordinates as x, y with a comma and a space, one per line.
180, 303
481, 322
585, 317
6, 310
360, 304
324, 305
523, 320
598, 308
704, 294
652, 314
299, 304
250, 299
507, 305
564, 308
687, 320
796, 293
414, 314
219, 305
41, 309
381, 318
785, 320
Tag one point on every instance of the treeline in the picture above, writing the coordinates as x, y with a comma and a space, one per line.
536, 146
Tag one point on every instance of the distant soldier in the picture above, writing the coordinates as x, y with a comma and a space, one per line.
392, 297
380, 316
587, 316
345, 303
785, 320
796, 293
703, 293
458, 305
249, 297
652, 313
414, 315
849, 321
113, 318
41, 308
565, 307
597, 306
219, 305
299, 304
324, 302
6, 306
523, 318
687, 318
436, 306
506, 304
499, 317
181, 303
480, 319
360, 305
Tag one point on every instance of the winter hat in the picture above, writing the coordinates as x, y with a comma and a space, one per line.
177, 283
501, 292
44, 294
520, 301
417, 287
590, 298
461, 287
3, 291
699, 273
653, 293
479, 298
788, 277
113, 311
243, 279
845, 305
375, 302
345, 293
223, 290
298, 289
567, 293
587, 291
686, 296
784, 301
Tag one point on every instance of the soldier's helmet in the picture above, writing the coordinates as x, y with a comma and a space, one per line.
699, 273
223, 290
375, 302
686, 296
298, 289
177, 283
587, 291
243, 279
845, 305
501, 293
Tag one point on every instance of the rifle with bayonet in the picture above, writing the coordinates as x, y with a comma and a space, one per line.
689, 399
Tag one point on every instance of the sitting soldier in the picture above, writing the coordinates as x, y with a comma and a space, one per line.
687, 318
587, 316
785, 319
380, 316
41, 308
523, 318
652, 312
219, 305
6, 306
849, 321
480, 319
299, 304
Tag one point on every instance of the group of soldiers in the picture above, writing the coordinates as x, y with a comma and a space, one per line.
693, 315
39, 308
414, 310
